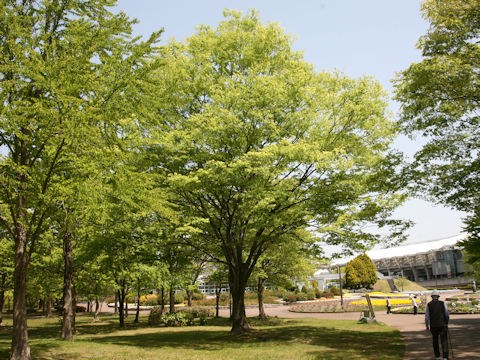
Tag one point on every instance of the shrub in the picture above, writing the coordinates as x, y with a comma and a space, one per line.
155, 316
474, 302
291, 298
184, 317
304, 289
276, 293
310, 294
199, 311
149, 300
335, 291
179, 298
198, 296
178, 319
326, 294
301, 296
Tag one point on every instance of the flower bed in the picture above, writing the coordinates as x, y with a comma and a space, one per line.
383, 302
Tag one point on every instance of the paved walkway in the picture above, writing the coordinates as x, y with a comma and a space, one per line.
464, 330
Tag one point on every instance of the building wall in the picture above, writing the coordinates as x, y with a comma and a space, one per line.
437, 264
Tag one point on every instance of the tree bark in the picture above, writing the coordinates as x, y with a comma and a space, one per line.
97, 310
238, 280
189, 297
261, 310
20, 347
163, 300
115, 308
217, 301
172, 299
74, 306
137, 313
49, 307
121, 299
2, 296
68, 305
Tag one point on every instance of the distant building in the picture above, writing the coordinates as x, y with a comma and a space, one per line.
431, 263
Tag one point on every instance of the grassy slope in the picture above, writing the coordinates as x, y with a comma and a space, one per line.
382, 286
274, 339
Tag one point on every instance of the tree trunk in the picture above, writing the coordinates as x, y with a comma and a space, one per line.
121, 299
137, 313
172, 299
163, 300
49, 307
20, 347
74, 306
68, 306
238, 281
97, 310
261, 310
126, 306
217, 301
189, 297
115, 308
2, 296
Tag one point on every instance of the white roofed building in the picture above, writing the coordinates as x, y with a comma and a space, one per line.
431, 263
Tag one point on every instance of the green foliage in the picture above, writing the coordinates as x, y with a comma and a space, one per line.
156, 318
290, 298
360, 273
183, 317
198, 296
73, 83
199, 311
259, 146
439, 98
472, 245
310, 294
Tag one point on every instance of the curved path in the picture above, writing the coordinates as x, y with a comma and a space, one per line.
464, 330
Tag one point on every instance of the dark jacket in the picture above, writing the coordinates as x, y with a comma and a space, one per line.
436, 314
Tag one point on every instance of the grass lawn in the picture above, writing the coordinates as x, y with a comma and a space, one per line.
273, 339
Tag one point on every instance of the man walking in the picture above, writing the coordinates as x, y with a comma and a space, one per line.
436, 320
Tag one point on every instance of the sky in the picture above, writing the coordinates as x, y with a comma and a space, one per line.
360, 38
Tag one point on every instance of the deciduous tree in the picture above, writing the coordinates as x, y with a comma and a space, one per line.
66, 68
256, 144
440, 99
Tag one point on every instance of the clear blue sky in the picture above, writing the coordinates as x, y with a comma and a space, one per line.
369, 37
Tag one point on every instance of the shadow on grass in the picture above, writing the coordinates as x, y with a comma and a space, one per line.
335, 343
316, 341
44, 332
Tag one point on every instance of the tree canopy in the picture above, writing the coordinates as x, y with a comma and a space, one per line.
440, 99
70, 72
257, 144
